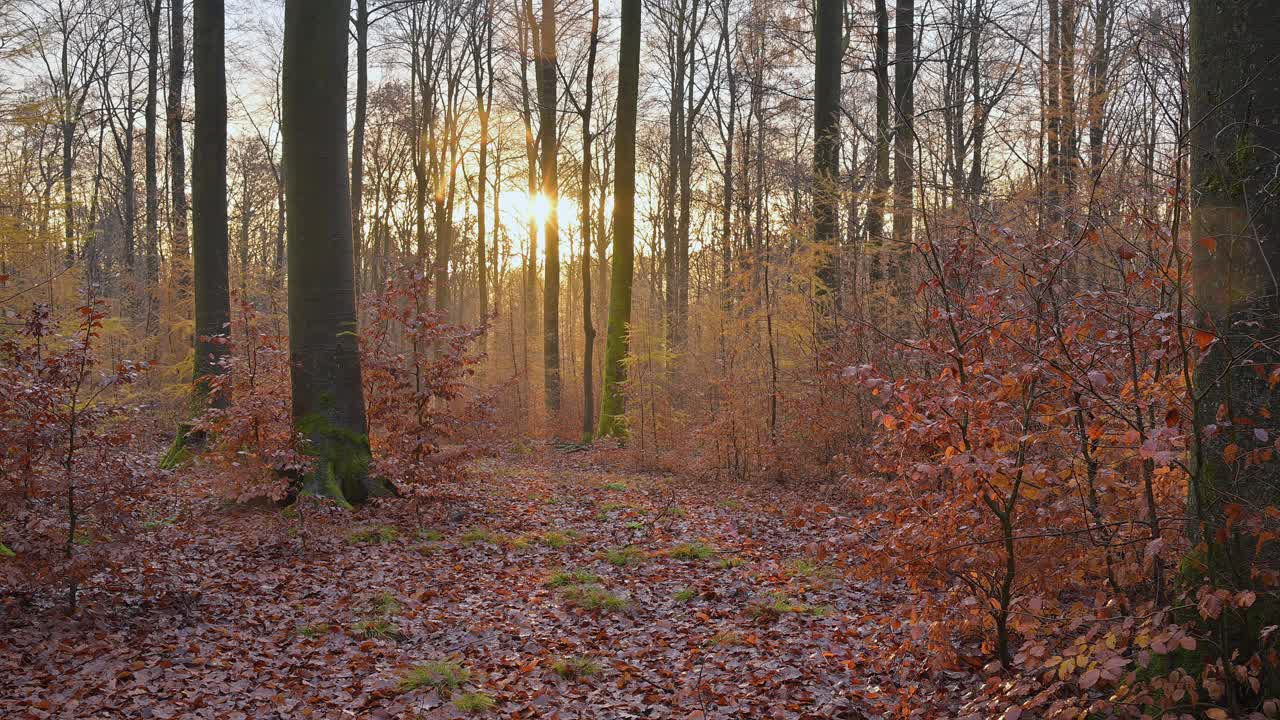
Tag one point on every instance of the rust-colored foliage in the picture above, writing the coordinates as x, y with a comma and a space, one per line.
71, 476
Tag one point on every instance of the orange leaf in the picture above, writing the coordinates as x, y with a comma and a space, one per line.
1210, 243
1231, 452
1204, 339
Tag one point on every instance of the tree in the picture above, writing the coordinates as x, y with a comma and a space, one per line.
829, 35
1235, 140
361, 22
328, 399
612, 403
177, 155
549, 144
209, 190
153, 11
584, 202
904, 134
884, 131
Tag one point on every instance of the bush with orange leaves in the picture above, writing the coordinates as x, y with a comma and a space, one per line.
1028, 478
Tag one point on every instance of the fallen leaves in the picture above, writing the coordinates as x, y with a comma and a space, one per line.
246, 613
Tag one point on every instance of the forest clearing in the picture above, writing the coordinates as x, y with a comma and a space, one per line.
549, 585
719, 359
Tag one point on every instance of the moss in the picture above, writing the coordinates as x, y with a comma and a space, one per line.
178, 452
340, 466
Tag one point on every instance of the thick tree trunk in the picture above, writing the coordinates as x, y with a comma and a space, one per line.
209, 190
328, 399
612, 405
829, 32
1235, 140
550, 146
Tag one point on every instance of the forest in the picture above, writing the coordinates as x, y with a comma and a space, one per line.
714, 359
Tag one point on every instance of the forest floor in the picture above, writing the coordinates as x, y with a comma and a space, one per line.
547, 585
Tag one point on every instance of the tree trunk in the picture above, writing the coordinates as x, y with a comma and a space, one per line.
612, 405
1099, 69
547, 86
177, 154
328, 399
357, 130
904, 136
1235, 138
584, 206
881, 183
209, 191
153, 10
829, 32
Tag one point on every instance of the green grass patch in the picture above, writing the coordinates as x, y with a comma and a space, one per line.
384, 604
576, 667
593, 597
556, 540
616, 486
804, 567
685, 594
375, 629
315, 630
427, 549
564, 578
440, 675
623, 556
730, 562
375, 535
474, 702
480, 535
692, 551
430, 535
774, 607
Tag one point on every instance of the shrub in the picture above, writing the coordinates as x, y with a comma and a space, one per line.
72, 483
